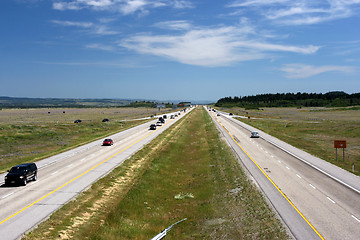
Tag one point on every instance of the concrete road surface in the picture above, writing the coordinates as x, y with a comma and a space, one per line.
64, 176
315, 199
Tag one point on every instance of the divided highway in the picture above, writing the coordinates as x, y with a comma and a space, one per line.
316, 200
64, 176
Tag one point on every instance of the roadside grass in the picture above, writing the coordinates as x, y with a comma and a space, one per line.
28, 135
187, 172
314, 131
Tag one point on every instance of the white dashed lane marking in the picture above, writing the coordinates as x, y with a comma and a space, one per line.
7, 195
298, 176
355, 218
330, 200
54, 173
312, 186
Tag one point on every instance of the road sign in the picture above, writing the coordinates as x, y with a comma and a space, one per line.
340, 144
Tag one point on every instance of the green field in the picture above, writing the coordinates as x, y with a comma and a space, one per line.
187, 172
313, 130
28, 135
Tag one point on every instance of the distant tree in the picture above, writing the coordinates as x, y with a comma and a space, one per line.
330, 99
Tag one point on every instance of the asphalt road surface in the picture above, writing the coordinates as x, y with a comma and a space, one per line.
315, 199
64, 176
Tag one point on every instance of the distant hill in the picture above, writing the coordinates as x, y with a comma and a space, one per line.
12, 102
330, 99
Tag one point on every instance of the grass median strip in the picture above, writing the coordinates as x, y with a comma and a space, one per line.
187, 172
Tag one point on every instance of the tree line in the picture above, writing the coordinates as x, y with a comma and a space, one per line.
330, 99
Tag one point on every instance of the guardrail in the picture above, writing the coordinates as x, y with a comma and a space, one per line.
162, 234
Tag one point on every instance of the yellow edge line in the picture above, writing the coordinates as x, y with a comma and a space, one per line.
272, 182
57, 189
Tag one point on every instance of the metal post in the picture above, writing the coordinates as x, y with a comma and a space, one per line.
336, 154
343, 154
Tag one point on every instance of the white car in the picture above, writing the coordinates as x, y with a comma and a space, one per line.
158, 123
255, 135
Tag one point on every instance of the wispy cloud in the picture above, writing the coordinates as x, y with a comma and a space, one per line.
101, 47
218, 46
300, 12
174, 25
98, 29
73, 24
182, 4
305, 71
125, 7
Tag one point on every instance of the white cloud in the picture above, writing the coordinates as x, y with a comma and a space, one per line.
300, 12
174, 25
209, 46
125, 7
101, 47
93, 28
103, 30
182, 4
74, 24
305, 71
244, 3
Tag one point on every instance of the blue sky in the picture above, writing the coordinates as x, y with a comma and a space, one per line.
177, 49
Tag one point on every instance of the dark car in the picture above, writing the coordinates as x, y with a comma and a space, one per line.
255, 135
77, 121
152, 127
108, 142
21, 174
165, 116
231, 114
105, 120
161, 120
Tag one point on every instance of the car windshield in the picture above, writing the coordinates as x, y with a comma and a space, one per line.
17, 170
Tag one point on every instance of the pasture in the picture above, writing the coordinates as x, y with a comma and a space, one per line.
27, 135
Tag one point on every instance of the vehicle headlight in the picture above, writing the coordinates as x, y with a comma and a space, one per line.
21, 177
5, 177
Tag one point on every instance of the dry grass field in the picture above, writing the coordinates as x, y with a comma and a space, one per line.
313, 130
31, 134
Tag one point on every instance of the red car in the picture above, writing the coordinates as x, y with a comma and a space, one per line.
108, 142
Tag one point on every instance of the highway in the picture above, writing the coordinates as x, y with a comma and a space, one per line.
64, 176
315, 199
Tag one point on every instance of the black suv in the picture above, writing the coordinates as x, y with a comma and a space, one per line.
21, 174
162, 120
